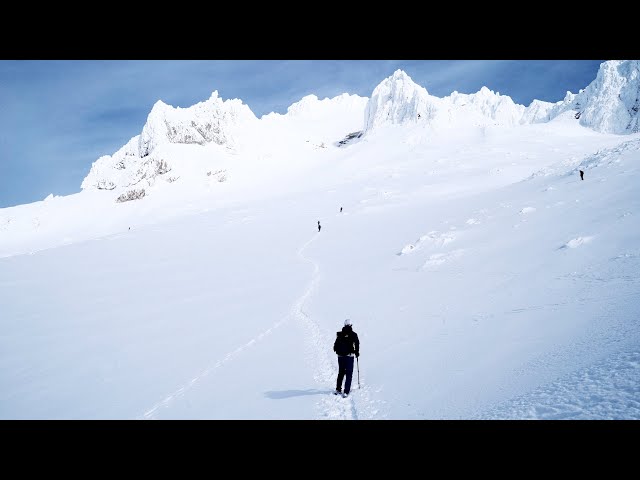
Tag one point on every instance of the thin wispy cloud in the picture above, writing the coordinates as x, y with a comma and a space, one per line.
57, 117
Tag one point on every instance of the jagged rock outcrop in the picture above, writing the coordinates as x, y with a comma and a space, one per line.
212, 121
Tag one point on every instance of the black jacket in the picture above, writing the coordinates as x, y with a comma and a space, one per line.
347, 342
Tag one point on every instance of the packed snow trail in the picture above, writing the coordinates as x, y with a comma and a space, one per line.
319, 353
318, 349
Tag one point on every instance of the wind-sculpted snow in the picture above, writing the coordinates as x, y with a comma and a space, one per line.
111, 170
537, 112
312, 107
490, 104
205, 122
398, 99
210, 122
125, 168
611, 102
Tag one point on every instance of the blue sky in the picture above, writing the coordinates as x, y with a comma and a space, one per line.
58, 117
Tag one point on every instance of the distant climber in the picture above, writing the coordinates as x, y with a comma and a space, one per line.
581, 175
319, 227
340, 209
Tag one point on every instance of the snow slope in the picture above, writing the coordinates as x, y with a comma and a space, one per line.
484, 278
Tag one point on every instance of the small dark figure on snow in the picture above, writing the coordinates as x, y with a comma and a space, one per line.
581, 175
340, 209
319, 227
346, 346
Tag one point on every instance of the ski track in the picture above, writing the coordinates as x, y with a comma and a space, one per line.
151, 413
336, 408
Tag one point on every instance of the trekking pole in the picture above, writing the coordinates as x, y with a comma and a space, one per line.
358, 365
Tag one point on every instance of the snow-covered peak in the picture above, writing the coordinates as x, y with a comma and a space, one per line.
611, 102
160, 106
569, 97
305, 104
398, 99
537, 112
500, 108
230, 123
210, 121
311, 105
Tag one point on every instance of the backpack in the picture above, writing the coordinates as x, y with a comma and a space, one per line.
343, 344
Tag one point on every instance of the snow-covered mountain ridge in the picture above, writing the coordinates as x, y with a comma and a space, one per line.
228, 127
609, 104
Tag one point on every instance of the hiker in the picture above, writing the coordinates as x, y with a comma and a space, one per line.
346, 346
581, 175
319, 226
340, 209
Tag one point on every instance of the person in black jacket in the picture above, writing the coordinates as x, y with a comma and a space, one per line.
346, 346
